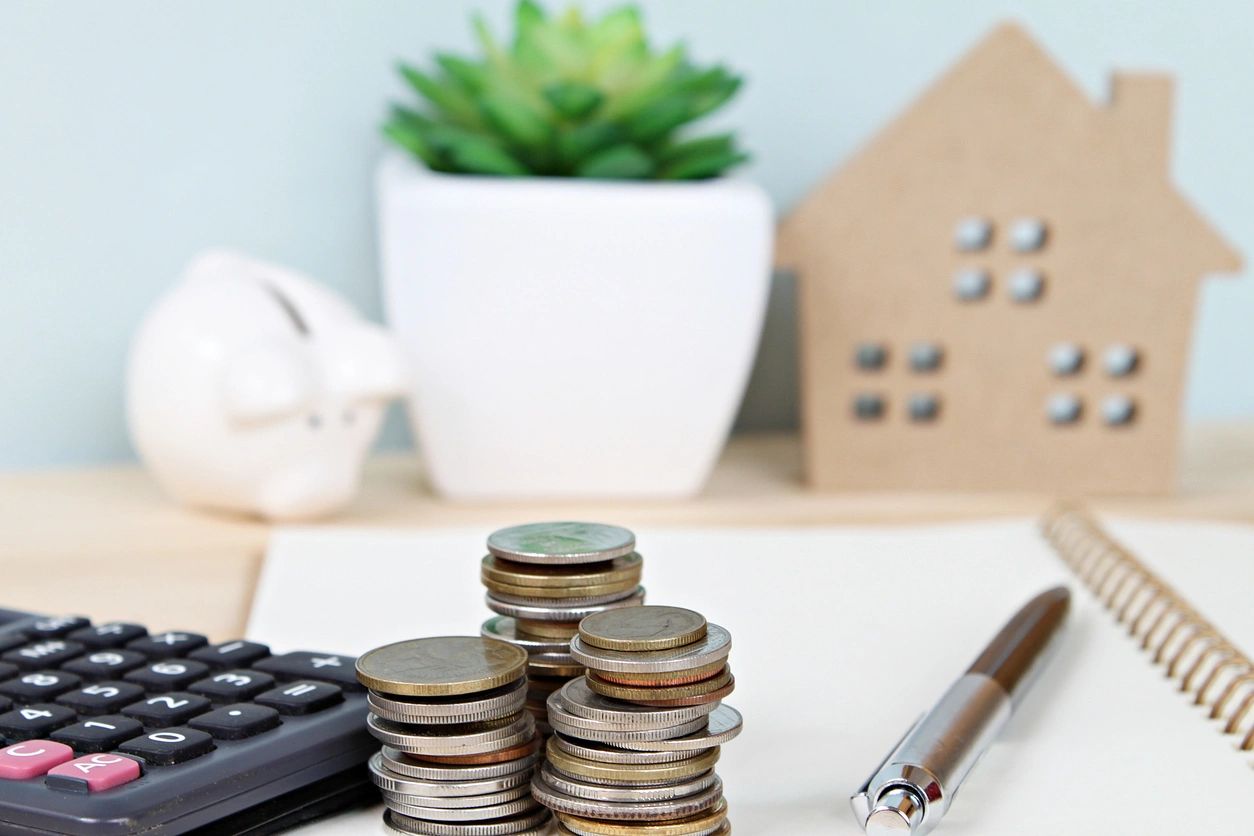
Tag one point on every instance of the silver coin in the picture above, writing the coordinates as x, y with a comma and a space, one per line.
674, 808
396, 799
506, 629
715, 646
561, 542
594, 751
565, 603
397, 762
567, 612
723, 828
389, 781
501, 703
614, 734
438, 740
582, 701
462, 814
725, 724
599, 792
527, 822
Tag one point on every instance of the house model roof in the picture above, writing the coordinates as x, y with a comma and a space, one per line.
1007, 109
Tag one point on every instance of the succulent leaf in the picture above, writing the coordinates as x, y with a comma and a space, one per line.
570, 96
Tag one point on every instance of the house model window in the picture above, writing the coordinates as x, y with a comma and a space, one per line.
972, 284
870, 357
923, 407
1027, 235
1066, 358
973, 234
1121, 360
868, 407
1118, 410
1026, 285
1064, 409
925, 357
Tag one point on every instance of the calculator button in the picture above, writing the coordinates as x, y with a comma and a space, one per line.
302, 697
235, 722
305, 665
33, 721
232, 686
167, 710
113, 634
43, 654
101, 697
7, 671
169, 675
98, 734
169, 746
93, 773
55, 628
105, 664
234, 654
8, 641
38, 686
33, 758
165, 645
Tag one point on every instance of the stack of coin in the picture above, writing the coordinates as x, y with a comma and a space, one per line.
542, 579
636, 738
459, 749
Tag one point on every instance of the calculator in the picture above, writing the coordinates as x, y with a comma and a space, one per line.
110, 729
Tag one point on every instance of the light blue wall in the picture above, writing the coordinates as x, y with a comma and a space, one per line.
134, 133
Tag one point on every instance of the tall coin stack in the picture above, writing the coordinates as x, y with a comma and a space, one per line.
542, 579
459, 750
638, 736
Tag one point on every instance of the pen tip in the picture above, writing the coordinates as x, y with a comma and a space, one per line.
888, 823
897, 813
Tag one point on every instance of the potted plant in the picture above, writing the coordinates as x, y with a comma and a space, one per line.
579, 288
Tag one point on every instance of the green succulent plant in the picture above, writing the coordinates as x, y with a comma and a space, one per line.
570, 97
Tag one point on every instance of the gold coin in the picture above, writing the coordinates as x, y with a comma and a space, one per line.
546, 629
632, 693
558, 593
630, 773
643, 628
524, 574
670, 678
553, 664
724, 830
441, 666
703, 822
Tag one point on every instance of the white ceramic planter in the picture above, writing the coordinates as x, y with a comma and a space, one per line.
572, 338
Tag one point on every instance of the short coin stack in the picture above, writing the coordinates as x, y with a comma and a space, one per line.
637, 738
459, 749
542, 579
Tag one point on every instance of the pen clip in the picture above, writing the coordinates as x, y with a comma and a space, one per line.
861, 801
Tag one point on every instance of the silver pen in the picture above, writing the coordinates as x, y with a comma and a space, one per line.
911, 790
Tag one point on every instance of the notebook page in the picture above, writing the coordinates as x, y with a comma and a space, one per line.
842, 636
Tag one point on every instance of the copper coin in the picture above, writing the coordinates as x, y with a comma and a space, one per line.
631, 693
504, 571
546, 629
499, 756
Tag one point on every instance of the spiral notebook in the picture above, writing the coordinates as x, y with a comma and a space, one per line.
842, 636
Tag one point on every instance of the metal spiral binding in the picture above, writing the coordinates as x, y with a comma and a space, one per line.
1177, 636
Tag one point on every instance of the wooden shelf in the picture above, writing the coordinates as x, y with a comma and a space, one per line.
106, 543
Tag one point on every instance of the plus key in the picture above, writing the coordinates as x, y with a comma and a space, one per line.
303, 664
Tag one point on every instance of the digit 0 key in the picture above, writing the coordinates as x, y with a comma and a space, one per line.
114, 730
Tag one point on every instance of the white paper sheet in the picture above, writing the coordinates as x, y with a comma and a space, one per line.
842, 636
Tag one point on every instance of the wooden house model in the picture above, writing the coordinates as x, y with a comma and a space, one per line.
998, 291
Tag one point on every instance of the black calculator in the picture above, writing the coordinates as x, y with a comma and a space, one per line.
110, 729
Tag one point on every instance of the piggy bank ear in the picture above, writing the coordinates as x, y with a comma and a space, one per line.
268, 381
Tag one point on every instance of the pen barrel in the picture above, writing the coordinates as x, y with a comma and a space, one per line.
937, 754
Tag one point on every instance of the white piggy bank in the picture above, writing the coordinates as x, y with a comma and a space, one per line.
251, 388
